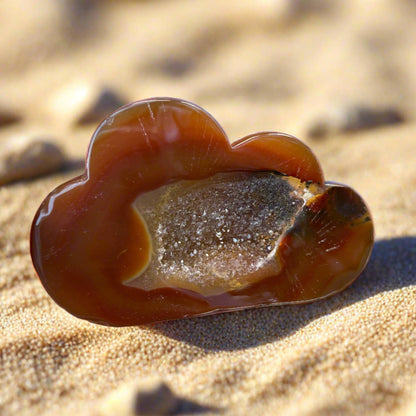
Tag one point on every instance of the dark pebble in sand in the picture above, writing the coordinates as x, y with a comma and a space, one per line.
8, 117
150, 396
26, 158
353, 119
105, 102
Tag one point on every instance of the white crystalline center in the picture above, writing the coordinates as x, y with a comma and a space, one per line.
218, 234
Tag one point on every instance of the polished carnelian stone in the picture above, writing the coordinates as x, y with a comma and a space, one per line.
161, 172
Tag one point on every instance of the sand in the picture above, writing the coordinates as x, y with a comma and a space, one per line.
266, 65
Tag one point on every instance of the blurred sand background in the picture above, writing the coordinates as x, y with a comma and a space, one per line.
339, 75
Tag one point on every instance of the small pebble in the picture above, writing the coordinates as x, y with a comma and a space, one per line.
303, 7
284, 11
352, 119
82, 103
8, 117
173, 66
104, 103
26, 158
151, 396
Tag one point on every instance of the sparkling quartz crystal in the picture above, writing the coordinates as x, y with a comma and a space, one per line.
218, 234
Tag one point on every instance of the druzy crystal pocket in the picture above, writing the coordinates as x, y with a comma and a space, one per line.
170, 220
218, 234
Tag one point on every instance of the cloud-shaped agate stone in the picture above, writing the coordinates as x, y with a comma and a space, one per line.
170, 220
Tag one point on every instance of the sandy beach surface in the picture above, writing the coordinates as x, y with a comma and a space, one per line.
338, 75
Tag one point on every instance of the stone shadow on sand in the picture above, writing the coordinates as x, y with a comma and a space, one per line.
392, 266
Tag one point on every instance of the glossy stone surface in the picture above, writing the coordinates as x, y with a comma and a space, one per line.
161, 172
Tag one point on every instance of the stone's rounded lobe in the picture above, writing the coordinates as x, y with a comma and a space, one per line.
295, 158
88, 243
327, 245
346, 203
